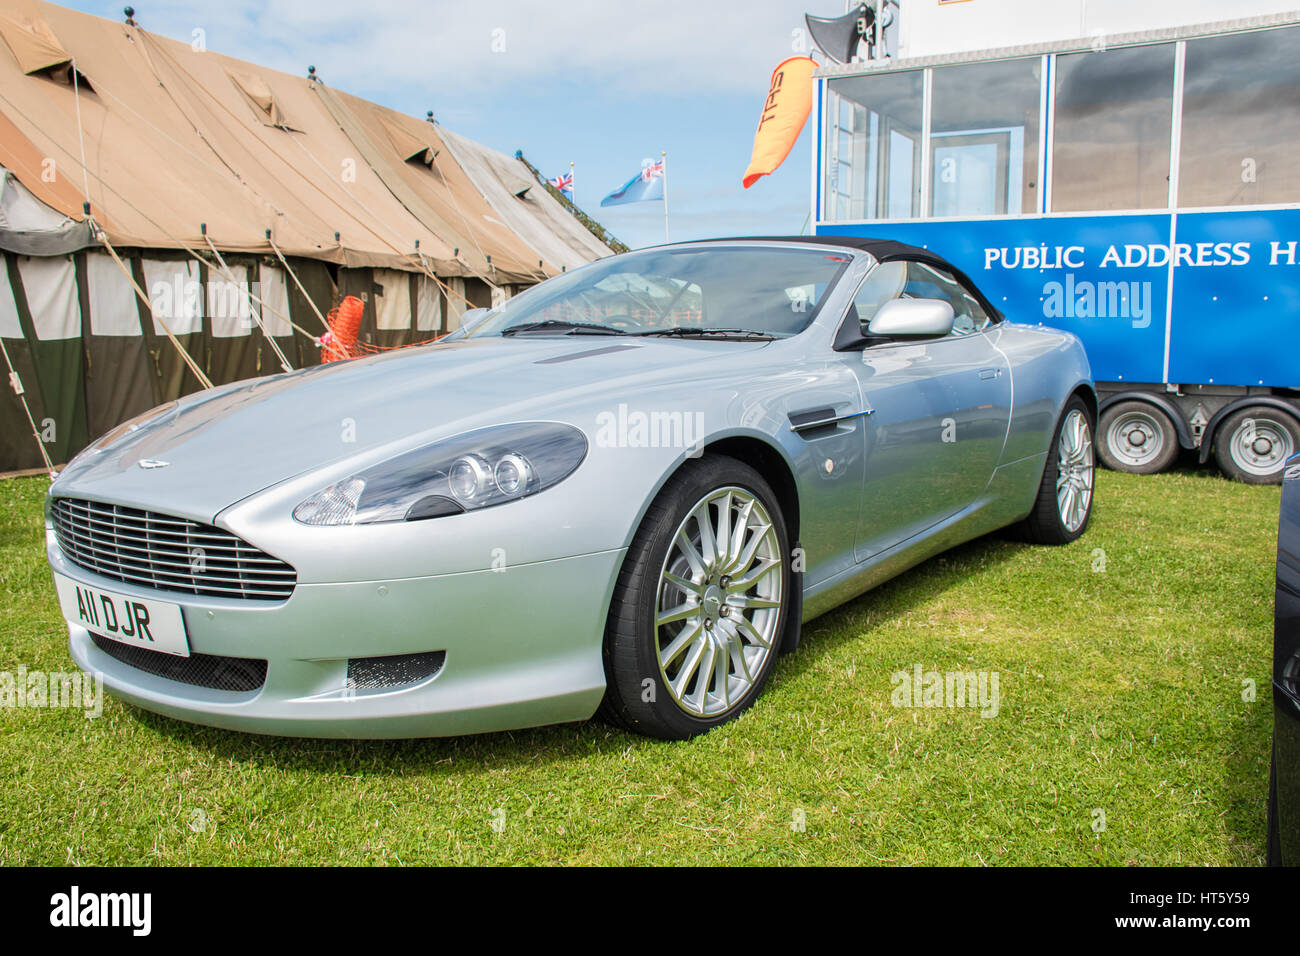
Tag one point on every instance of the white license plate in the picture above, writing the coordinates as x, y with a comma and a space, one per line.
139, 622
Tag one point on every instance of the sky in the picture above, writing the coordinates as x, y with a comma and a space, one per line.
602, 84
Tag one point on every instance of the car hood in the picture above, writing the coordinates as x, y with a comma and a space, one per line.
225, 444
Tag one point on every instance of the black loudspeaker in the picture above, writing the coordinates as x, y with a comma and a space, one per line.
838, 37
867, 32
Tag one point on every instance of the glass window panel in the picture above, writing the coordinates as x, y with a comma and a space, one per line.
928, 282
984, 138
917, 280
1110, 147
1241, 120
775, 291
873, 147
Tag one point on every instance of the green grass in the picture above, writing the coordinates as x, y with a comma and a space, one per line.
1121, 691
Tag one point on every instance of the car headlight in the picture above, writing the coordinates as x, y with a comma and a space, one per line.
476, 470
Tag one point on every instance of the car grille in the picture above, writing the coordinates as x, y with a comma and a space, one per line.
171, 554
202, 670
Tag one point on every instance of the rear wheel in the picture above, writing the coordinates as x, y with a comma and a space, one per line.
1253, 444
1136, 437
1064, 503
700, 603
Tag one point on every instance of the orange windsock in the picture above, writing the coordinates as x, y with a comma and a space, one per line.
789, 101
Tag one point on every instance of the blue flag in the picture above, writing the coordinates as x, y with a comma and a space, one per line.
645, 186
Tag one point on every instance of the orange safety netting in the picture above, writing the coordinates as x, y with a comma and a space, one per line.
343, 341
369, 349
340, 342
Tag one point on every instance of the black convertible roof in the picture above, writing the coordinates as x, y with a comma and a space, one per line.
882, 250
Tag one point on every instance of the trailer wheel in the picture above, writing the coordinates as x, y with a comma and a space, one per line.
1137, 437
1253, 444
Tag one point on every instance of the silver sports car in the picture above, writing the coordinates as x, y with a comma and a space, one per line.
624, 490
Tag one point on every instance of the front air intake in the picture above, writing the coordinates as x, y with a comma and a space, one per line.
399, 670
201, 670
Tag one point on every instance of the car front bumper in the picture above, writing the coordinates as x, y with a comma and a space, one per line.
522, 646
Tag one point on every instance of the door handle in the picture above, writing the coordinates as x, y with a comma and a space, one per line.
990, 372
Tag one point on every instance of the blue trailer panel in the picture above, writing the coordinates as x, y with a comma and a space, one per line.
1107, 279
1231, 323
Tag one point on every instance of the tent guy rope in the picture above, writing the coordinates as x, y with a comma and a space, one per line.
189, 361
16, 383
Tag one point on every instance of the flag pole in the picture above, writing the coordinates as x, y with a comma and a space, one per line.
664, 158
573, 186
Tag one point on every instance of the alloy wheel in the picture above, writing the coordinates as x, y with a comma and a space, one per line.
1074, 470
719, 602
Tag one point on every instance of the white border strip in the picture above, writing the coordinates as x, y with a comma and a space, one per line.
927, 114
1079, 45
1175, 154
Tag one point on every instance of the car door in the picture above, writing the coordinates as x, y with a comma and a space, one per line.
937, 410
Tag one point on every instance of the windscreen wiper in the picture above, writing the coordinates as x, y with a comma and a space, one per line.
691, 331
570, 328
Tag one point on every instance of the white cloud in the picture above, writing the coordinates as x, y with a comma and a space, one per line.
687, 75
669, 46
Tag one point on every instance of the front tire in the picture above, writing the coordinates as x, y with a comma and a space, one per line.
1064, 504
700, 603
1253, 444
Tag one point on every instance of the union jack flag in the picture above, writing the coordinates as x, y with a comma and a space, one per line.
564, 184
653, 170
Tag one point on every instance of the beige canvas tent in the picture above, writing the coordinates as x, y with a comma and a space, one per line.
171, 216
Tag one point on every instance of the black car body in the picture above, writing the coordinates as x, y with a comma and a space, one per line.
1284, 778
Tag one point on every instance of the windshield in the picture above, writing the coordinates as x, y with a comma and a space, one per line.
742, 291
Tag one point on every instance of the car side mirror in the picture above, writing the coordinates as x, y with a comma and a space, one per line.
912, 319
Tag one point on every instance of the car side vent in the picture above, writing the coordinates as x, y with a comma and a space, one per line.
813, 423
398, 670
